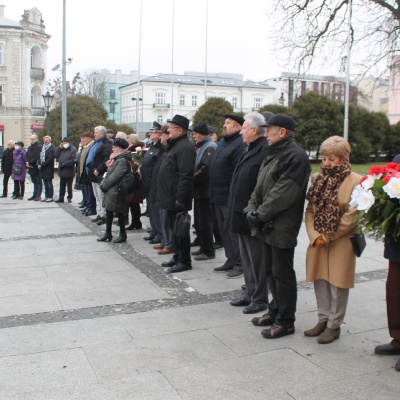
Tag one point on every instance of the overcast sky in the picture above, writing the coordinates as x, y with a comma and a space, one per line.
105, 34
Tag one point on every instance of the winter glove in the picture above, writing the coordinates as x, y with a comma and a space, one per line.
179, 206
252, 219
320, 242
102, 189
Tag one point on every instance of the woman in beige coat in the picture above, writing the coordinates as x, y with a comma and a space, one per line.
330, 222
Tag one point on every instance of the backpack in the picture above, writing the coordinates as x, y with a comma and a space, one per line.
129, 182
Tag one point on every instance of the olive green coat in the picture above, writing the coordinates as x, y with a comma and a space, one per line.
335, 263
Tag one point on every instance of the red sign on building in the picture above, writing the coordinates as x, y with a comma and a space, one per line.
37, 127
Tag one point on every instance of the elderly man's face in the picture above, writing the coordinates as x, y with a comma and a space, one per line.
175, 131
230, 126
98, 134
10, 145
274, 134
248, 133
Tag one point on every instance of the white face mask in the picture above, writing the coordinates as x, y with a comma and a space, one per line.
65, 146
17, 147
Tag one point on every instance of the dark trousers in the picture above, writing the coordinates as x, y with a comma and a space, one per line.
121, 221
254, 263
19, 188
155, 221
167, 228
283, 284
217, 235
229, 239
48, 188
5, 184
393, 302
66, 183
88, 197
182, 244
37, 184
135, 214
203, 223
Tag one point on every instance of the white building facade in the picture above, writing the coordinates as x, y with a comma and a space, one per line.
162, 96
23, 58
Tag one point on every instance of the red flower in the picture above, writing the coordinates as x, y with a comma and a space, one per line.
376, 170
363, 179
386, 178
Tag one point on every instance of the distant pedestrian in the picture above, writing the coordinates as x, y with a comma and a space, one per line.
32, 162
19, 170
6, 166
46, 168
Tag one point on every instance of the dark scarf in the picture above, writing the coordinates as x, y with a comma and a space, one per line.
323, 195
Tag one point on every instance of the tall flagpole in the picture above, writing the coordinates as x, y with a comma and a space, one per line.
138, 82
64, 78
172, 60
346, 103
205, 67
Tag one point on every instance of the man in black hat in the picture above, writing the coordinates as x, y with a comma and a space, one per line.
275, 213
226, 157
203, 221
65, 154
32, 158
6, 166
175, 187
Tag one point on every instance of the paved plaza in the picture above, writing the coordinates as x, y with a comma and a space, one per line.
80, 319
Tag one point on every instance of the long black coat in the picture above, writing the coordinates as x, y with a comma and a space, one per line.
101, 156
243, 183
175, 180
7, 162
66, 161
47, 166
148, 164
32, 157
226, 157
152, 197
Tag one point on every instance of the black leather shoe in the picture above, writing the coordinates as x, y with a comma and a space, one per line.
169, 264
90, 213
101, 221
148, 238
105, 238
239, 302
14, 197
218, 246
132, 227
4, 195
120, 239
253, 309
69, 200
59, 201
85, 210
386, 350
95, 219
29, 198
82, 205
154, 241
179, 268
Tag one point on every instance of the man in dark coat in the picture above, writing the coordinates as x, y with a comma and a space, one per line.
203, 221
392, 253
66, 156
6, 166
95, 166
252, 250
275, 213
89, 207
46, 168
226, 157
32, 161
175, 187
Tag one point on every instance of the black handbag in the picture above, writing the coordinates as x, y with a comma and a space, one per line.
16, 171
359, 243
182, 224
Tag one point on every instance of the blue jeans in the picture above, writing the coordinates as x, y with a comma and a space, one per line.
37, 184
48, 188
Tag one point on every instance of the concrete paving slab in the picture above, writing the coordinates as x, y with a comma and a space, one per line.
59, 336
8, 275
41, 371
160, 353
260, 376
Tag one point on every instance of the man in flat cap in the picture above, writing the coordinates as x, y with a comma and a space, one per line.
275, 214
65, 154
202, 209
226, 157
175, 187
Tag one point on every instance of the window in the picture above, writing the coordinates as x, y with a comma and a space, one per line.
234, 102
258, 102
194, 100
160, 98
1, 54
159, 119
182, 100
112, 94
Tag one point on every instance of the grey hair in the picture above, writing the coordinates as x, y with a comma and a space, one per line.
101, 129
256, 119
11, 141
121, 135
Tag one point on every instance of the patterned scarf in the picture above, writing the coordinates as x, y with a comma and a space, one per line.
323, 195
43, 152
113, 156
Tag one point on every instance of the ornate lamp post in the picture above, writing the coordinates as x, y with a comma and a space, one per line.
47, 98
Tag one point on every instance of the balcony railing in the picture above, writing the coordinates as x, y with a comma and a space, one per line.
160, 106
37, 111
37, 73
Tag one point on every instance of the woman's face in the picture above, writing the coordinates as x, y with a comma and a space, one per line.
116, 149
332, 160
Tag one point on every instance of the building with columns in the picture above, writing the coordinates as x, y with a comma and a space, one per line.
23, 49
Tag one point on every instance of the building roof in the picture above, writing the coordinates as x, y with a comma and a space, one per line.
213, 79
8, 23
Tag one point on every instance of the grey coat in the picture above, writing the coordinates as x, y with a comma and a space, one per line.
113, 200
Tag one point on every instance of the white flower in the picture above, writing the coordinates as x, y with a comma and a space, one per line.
138, 149
392, 188
365, 200
354, 196
369, 182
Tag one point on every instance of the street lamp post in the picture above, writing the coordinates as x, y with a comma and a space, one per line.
47, 98
112, 105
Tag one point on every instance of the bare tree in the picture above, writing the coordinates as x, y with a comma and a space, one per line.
94, 83
311, 30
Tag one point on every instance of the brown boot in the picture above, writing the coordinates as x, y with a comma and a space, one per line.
329, 336
317, 330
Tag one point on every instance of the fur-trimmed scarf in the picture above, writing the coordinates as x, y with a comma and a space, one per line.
323, 195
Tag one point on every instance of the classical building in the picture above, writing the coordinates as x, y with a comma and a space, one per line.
23, 47
161, 96
373, 93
